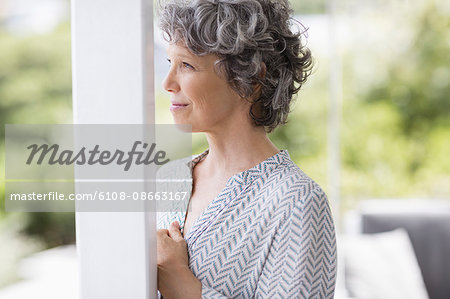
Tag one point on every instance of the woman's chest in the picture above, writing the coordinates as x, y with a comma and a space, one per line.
201, 198
233, 244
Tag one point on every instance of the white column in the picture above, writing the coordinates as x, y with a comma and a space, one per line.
112, 63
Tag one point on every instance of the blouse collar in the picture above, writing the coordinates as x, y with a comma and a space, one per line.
246, 176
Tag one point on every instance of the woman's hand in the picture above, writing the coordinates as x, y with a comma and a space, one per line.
175, 279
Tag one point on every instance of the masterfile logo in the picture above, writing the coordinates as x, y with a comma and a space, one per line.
94, 156
83, 167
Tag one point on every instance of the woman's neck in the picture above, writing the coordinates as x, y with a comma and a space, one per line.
233, 151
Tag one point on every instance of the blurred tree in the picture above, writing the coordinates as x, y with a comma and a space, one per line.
309, 6
418, 82
35, 87
396, 125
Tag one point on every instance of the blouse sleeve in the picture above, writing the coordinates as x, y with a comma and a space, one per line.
302, 259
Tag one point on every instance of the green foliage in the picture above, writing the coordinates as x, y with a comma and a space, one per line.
418, 81
308, 6
35, 78
35, 87
54, 228
396, 129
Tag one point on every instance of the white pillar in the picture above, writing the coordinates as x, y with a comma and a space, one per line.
112, 64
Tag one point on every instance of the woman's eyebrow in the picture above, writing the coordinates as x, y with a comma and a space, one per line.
186, 56
180, 55
196, 62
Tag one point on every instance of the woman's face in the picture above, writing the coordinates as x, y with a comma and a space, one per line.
199, 96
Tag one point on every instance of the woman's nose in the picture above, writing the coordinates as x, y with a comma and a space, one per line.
170, 83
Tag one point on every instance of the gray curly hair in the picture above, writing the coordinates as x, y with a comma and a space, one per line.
255, 46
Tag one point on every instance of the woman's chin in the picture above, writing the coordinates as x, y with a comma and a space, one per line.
186, 128
192, 127
183, 125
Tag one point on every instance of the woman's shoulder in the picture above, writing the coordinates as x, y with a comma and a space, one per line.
180, 167
175, 169
289, 196
290, 182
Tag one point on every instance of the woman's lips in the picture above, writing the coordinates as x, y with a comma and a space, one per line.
176, 106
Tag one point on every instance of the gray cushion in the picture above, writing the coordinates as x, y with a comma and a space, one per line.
382, 265
428, 226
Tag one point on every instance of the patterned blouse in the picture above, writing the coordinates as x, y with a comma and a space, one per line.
268, 234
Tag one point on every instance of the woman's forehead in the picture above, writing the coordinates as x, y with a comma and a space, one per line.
179, 50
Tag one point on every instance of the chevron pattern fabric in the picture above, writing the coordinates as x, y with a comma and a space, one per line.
268, 234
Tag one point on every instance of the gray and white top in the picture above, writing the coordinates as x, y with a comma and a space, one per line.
268, 234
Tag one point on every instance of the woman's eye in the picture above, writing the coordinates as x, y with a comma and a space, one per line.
187, 65
184, 64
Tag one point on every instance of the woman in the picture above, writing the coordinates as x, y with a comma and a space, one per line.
257, 226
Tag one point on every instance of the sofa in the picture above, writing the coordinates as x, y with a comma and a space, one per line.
397, 248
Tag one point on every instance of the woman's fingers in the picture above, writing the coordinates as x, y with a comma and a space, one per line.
162, 232
174, 231
171, 247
